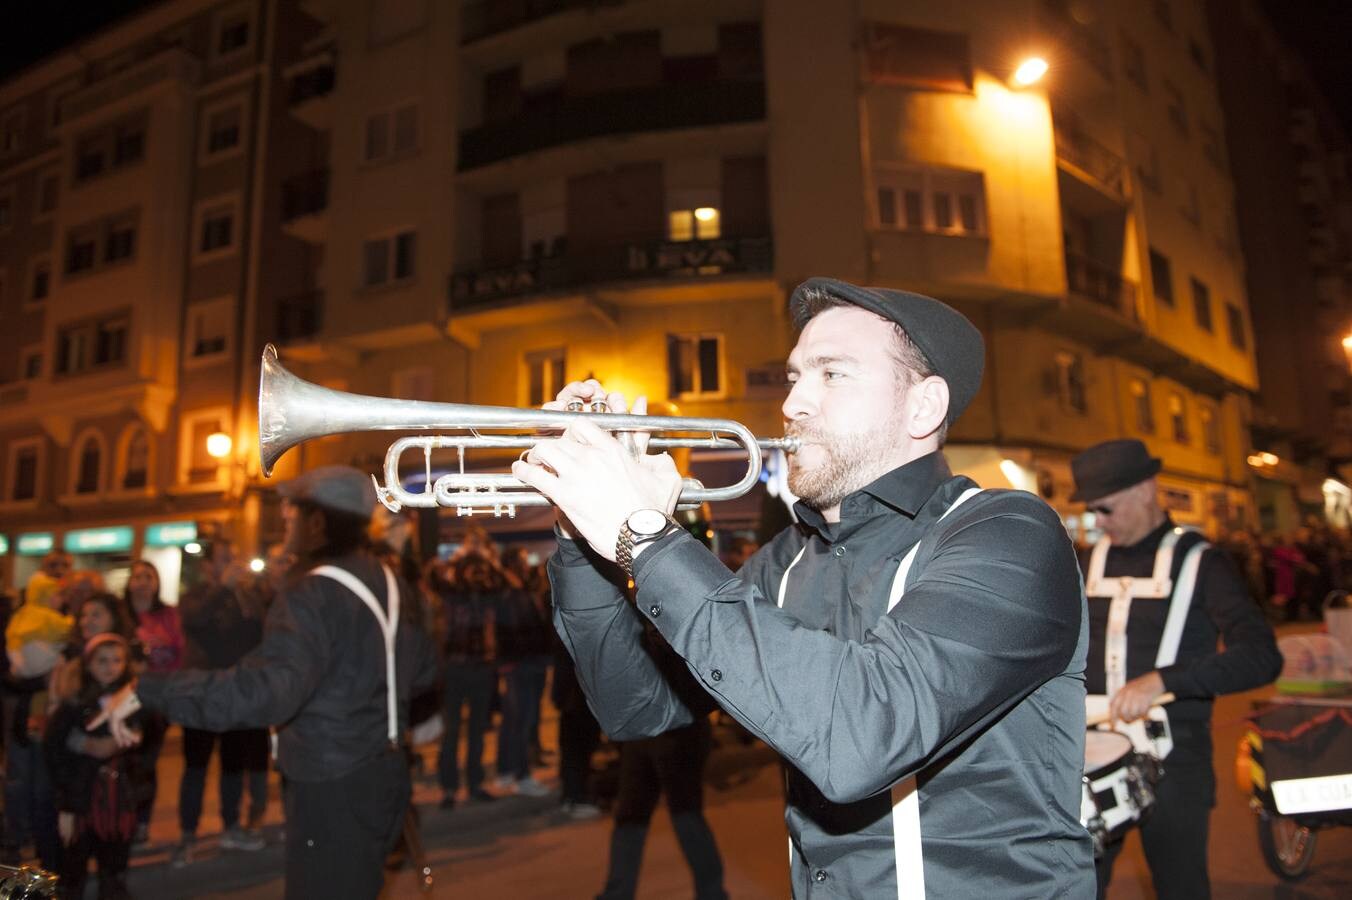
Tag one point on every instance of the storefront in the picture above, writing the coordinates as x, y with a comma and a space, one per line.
106, 550
29, 549
164, 546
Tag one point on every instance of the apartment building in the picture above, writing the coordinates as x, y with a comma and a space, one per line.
478, 202
1295, 222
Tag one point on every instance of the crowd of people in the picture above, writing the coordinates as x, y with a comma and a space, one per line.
1291, 573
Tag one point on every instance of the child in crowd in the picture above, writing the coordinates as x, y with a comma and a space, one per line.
97, 784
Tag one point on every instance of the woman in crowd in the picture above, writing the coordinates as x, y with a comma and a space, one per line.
100, 613
160, 638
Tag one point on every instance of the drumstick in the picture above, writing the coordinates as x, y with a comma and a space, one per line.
1161, 700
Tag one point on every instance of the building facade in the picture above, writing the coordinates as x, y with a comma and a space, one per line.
479, 202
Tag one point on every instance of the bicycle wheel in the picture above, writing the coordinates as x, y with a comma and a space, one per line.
1287, 847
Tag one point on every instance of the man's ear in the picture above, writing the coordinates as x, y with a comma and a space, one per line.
928, 402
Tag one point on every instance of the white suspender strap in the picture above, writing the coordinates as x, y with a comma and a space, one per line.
1122, 591
1179, 605
1097, 558
389, 626
899, 581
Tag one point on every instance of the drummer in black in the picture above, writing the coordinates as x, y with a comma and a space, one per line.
1159, 597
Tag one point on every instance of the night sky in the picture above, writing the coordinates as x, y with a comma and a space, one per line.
1319, 29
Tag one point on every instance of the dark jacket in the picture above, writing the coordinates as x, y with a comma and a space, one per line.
73, 773
218, 630
319, 673
973, 683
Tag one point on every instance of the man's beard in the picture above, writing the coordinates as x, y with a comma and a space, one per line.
852, 461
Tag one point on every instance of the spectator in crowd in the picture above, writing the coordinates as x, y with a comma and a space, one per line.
222, 623
1287, 564
579, 735
524, 652
158, 648
102, 613
98, 785
470, 606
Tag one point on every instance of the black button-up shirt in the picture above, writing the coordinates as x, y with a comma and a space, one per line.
973, 683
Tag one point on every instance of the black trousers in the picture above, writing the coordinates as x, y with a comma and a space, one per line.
1174, 834
670, 764
339, 832
112, 858
578, 736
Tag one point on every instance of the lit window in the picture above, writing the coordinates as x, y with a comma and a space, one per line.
1070, 382
544, 375
1178, 416
389, 259
1145, 412
694, 365
701, 223
943, 201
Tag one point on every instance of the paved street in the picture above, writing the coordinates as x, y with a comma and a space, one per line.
524, 848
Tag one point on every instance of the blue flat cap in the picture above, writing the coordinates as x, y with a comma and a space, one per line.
340, 489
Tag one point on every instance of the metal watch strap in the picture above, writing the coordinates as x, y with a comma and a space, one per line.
625, 543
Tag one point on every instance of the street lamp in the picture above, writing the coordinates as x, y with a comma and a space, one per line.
1030, 71
219, 445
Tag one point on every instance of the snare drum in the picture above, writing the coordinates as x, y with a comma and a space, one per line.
1117, 788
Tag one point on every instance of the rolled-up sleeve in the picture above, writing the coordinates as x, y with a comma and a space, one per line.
993, 614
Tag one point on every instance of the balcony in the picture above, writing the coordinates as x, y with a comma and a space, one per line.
172, 66
1089, 160
488, 17
299, 318
311, 91
1100, 285
659, 108
474, 288
305, 204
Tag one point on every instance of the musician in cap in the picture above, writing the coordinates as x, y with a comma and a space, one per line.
1159, 598
914, 648
341, 655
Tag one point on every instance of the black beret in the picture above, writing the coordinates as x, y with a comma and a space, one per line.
1110, 467
951, 344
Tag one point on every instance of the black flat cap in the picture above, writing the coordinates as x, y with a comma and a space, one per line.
1110, 467
340, 489
951, 344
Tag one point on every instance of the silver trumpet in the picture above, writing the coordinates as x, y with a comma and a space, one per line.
292, 410
26, 883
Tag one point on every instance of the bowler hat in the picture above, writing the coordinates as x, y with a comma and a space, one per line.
340, 489
951, 344
1110, 467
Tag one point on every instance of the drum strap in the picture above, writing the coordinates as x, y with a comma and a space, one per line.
389, 626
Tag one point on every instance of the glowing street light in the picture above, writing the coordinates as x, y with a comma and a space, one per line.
219, 445
1030, 71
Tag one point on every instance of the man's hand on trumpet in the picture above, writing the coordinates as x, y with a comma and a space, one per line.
589, 475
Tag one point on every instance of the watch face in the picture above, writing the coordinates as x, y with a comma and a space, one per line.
646, 521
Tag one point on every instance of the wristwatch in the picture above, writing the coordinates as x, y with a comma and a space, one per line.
642, 527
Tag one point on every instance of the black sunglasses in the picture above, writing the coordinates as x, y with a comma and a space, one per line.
1099, 510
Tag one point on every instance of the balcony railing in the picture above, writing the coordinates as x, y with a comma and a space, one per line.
649, 260
488, 17
1092, 158
657, 108
299, 317
312, 83
1101, 285
305, 194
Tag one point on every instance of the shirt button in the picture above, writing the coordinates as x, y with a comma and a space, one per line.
840, 551
716, 675
819, 876
654, 611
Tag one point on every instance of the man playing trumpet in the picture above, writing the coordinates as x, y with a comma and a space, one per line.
912, 647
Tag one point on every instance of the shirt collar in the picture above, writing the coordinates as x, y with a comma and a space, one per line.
906, 489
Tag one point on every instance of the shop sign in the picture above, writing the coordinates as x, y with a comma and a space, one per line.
35, 544
171, 534
99, 540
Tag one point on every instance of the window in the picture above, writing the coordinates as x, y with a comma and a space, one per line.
134, 465
91, 157
209, 329
1133, 62
231, 33
40, 280
942, 201
120, 244
56, 99
129, 143
387, 260
115, 236
24, 471
49, 193
1234, 319
90, 345
30, 363
916, 57
1201, 305
544, 375
1161, 277
392, 133
1070, 386
217, 229
82, 249
222, 131
1178, 113
195, 465
698, 224
1145, 411
11, 131
1211, 429
87, 476
694, 365
110, 342
6, 209
1178, 417
111, 147
1190, 207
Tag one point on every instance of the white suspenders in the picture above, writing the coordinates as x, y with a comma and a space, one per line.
905, 797
1122, 591
389, 626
